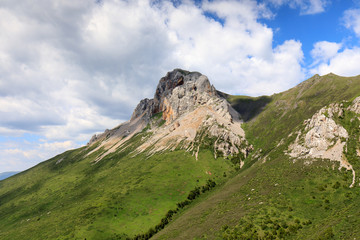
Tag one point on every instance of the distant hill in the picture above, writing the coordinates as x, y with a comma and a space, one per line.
4, 175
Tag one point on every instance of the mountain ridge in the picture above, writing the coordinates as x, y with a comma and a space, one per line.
308, 198
151, 176
189, 98
5, 175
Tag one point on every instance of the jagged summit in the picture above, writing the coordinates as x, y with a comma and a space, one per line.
180, 86
153, 176
185, 82
191, 109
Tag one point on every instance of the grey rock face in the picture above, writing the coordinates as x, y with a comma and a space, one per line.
189, 104
178, 92
186, 97
168, 83
143, 109
323, 136
355, 107
93, 139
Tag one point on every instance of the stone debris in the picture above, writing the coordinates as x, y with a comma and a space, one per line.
323, 138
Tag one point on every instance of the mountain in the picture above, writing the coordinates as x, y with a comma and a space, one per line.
4, 175
296, 188
185, 112
196, 163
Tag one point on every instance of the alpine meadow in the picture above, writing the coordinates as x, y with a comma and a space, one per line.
180, 120
196, 163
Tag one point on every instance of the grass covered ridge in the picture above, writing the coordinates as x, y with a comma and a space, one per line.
118, 197
271, 197
279, 197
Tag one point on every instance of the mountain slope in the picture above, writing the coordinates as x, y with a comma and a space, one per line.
157, 169
299, 196
125, 180
289, 109
5, 175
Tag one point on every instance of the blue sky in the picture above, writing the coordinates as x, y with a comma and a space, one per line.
70, 69
311, 28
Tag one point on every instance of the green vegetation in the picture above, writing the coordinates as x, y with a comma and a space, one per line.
157, 120
287, 110
165, 220
350, 121
283, 198
264, 226
278, 199
171, 195
72, 197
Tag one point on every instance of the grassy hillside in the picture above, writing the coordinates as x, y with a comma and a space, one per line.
5, 175
248, 107
289, 109
272, 196
116, 197
279, 197
276, 199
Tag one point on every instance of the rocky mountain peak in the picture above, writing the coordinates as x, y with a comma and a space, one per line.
191, 110
180, 91
176, 93
193, 82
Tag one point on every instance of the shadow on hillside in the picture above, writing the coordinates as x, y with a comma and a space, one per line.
248, 107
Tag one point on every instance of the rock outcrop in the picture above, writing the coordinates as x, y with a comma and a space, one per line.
191, 109
355, 106
323, 138
143, 110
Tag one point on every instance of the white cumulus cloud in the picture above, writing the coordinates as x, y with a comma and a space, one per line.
324, 50
344, 63
352, 20
69, 69
339, 58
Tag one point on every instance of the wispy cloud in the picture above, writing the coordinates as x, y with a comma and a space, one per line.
20, 155
69, 69
323, 51
352, 20
307, 7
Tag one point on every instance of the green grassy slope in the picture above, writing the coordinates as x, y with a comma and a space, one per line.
123, 196
283, 198
287, 110
277, 198
117, 197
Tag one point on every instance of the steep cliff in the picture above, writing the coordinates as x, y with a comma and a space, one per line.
194, 114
